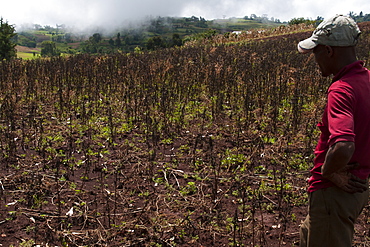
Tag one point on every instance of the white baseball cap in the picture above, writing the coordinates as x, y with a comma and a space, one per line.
336, 31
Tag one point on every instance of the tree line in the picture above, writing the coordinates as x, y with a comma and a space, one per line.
357, 17
156, 33
7, 47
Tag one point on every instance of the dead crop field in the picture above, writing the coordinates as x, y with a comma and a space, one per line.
206, 145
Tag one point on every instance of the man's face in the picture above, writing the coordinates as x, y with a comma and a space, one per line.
321, 53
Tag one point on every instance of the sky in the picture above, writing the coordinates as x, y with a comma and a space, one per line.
115, 13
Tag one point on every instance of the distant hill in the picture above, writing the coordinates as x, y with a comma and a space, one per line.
155, 33
126, 39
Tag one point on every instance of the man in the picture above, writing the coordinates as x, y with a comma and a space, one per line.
338, 186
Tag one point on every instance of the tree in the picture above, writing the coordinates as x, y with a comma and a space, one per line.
96, 38
176, 40
7, 47
118, 40
155, 43
49, 49
93, 44
300, 20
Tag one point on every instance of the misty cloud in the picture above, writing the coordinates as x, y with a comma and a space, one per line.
115, 13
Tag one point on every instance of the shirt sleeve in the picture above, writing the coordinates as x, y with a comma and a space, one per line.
340, 116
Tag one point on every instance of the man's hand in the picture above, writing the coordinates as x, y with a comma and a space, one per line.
347, 181
336, 167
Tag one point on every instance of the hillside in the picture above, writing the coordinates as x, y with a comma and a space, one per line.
70, 42
151, 34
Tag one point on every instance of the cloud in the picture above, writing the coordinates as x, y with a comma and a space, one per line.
114, 13
227, 8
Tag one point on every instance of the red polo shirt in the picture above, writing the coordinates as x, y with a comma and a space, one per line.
346, 118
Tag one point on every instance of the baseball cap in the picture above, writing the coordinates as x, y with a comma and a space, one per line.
338, 30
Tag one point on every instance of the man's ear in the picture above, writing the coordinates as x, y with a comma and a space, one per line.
329, 50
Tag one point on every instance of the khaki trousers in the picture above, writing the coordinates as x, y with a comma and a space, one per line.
331, 217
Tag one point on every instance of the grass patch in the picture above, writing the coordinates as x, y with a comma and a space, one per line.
28, 55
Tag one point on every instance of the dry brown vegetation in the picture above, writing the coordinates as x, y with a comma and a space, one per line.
205, 145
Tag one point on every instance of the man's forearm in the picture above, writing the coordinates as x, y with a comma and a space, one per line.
337, 158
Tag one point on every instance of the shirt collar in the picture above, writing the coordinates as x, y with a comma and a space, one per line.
348, 69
